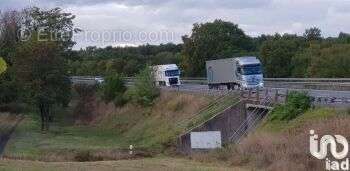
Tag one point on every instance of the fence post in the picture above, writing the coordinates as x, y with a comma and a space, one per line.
276, 96
286, 98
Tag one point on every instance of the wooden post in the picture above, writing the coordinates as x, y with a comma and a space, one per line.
276, 96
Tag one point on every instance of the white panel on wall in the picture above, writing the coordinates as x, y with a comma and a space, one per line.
206, 140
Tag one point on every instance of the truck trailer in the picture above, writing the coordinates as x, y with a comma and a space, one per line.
235, 73
166, 75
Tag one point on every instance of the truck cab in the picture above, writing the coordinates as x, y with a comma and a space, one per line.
167, 75
249, 72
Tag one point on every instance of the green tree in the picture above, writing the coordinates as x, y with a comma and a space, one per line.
40, 68
3, 65
144, 91
313, 34
52, 24
166, 58
218, 39
40, 62
344, 37
10, 26
332, 61
113, 89
276, 55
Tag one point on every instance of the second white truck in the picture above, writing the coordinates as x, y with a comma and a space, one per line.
235, 73
167, 75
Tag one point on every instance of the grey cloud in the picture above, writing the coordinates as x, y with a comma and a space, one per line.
234, 4
177, 16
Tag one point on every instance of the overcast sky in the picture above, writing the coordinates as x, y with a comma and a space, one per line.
134, 22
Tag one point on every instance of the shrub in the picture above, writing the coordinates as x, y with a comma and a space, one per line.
86, 98
3, 65
86, 156
13, 107
113, 90
297, 103
144, 90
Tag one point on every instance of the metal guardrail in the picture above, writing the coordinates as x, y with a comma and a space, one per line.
203, 79
339, 80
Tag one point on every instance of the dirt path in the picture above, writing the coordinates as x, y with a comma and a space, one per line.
151, 164
8, 124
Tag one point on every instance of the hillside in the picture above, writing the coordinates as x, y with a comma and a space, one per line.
108, 133
283, 145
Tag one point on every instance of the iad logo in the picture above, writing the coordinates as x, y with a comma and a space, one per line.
319, 149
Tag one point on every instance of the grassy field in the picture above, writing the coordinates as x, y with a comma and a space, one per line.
150, 130
153, 164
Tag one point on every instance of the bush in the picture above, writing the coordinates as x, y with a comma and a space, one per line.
86, 98
144, 90
13, 107
86, 156
113, 90
296, 104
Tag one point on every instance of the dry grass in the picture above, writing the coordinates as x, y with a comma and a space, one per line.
154, 164
110, 131
172, 106
286, 150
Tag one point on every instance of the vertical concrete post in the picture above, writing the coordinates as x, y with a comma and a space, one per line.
241, 93
249, 93
276, 96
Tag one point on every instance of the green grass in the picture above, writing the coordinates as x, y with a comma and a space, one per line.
29, 142
146, 128
311, 114
154, 164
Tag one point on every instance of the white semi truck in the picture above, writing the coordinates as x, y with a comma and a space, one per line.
235, 73
166, 75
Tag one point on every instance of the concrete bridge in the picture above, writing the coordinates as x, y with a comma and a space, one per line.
231, 124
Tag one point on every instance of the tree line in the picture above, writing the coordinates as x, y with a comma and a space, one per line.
37, 56
286, 55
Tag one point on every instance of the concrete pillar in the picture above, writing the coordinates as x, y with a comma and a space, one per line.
249, 93
276, 96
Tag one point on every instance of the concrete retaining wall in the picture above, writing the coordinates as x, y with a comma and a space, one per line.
226, 122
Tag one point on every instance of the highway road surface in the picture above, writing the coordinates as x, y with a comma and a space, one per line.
320, 97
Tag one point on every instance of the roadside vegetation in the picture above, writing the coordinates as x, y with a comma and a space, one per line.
101, 131
281, 142
154, 164
3, 65
62, 122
